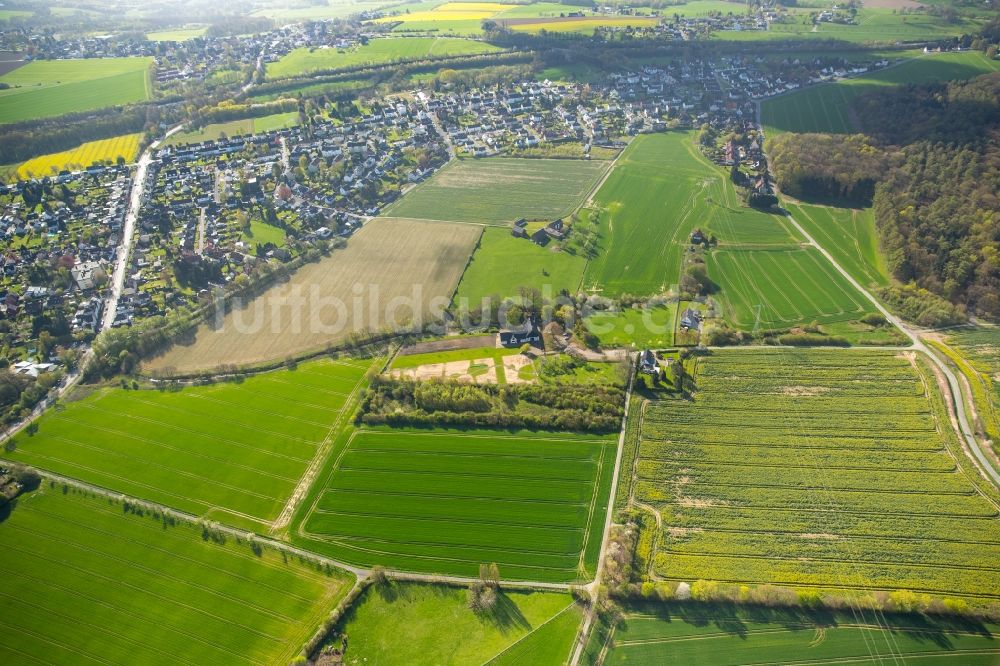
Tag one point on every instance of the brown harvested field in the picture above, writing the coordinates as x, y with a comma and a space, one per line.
391, 272
9, 61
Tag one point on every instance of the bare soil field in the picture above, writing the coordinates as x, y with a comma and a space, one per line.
391, 272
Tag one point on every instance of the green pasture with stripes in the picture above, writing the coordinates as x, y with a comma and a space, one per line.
228, 452
818, 469
849, 235
85, 582
443, 501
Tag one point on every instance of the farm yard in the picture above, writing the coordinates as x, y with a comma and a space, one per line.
376, 52
827, 107
46, 88
443, 501
658, 192
499, 190
227, 452
849, 477
391, 272
528, 627
723, 636
86, 582
783, 287
81, 157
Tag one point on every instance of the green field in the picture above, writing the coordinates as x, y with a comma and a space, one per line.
847, 234
215, 131
498, 190
402, 362
783, 287
46, 88
409, 623
228, 452
376, 52
817, 469
827, 107
178, 35
503, 264
648, 327
85, 582
659, 191
440, 501
723, 636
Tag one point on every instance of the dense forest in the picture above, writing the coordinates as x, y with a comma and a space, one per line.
930, 163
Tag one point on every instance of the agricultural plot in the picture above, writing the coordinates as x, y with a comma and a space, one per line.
720, 636
81, 157
503, 264
847, 234
376, 52
978, 358
585, 25
392, 272
88, 583
229, 452
499, 190
178, 35
215, 131
781, 288
409, 623
443, 501
817, 469
827, 107
46, 88
659, 191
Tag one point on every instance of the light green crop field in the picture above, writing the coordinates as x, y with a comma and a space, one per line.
85, 582
818, 469
659, 191
444, 501
499, 190
411, 623
783, 287
827, 107
503, 264
403, 362
227, 452
847, 234
643, 327
378, 51
723, 636
46, 88
215, 131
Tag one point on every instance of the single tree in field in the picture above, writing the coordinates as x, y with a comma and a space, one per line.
378, 576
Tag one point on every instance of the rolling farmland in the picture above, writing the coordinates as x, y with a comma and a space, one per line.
81, 157
392, 271
658, 192
46, 88
817, 469
827, 107
440, 501
88, 583
499, 190
849, 235
228, 452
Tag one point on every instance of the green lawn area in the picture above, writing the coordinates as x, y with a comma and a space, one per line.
503, 264
377, 51
410, 623
644, 327
659, 191
215, 131
87, 582
228, 452
401, 362
712, 635
46, 88
262, 233
499, 190
178, 35
443, 501
826, 107
849, 235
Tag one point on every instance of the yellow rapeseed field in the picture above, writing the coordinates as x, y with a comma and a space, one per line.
82, 156
452, 11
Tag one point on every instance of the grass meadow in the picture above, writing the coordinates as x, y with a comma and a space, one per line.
443, 501
827, 107
817, 469
498, 190
386, 263
725, 636
85, 582
81, 157
228, 452
378, 51
530, 627
46, 88
647, 327
178, 35
215, 131
658, 192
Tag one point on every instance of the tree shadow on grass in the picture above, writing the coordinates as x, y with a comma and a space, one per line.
505, 614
